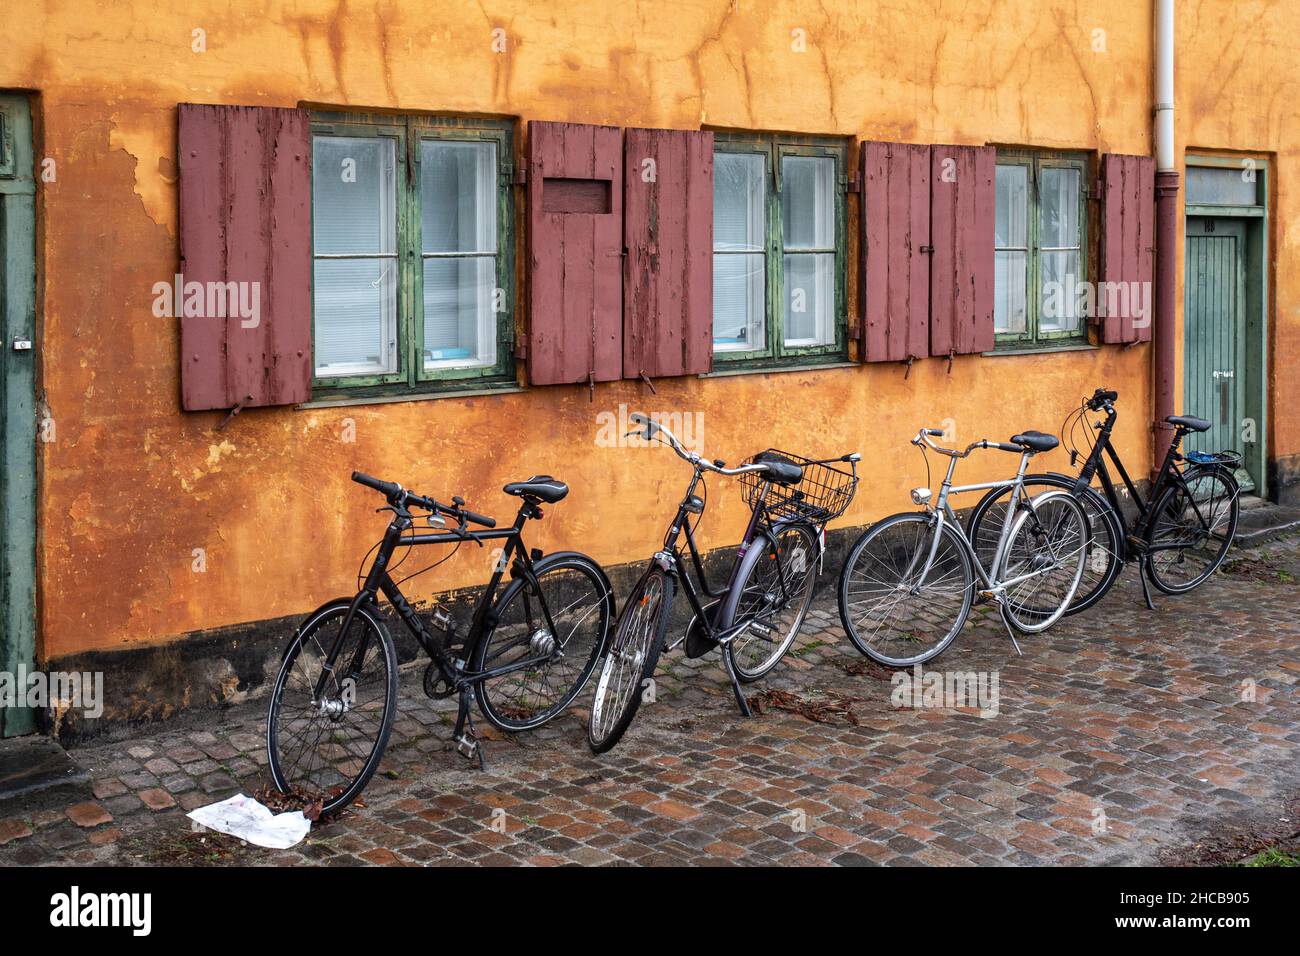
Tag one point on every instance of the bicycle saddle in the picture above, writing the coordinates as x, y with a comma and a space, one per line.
779, 468
1190, 422
1035, 441
542, 487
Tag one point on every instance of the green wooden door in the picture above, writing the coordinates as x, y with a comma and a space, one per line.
1214, 308
17, 402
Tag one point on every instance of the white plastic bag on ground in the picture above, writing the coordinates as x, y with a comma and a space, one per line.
247, 819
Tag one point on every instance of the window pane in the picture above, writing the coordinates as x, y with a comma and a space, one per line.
1222, 186
1012, 206
1059, 309
1059, 204
458, 196
1009, 312
739, 302
353, 205
459, 324
356, 316
808, 202
810, 299
739, 222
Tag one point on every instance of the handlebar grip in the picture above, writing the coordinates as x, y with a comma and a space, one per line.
479, 519
933, 432
388, 488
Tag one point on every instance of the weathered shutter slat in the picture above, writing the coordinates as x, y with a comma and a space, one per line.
1127, 248
575, 244
245, 235
668, 267
962, 208
895, 267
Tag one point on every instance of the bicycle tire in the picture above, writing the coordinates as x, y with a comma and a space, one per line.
1104, 561
333, 796
505, 637
1028, 618
605, 730
875, 534
1164, 511
762, 554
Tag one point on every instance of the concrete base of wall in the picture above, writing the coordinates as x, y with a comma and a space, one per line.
1284, 480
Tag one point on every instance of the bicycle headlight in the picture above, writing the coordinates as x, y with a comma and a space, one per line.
920, 496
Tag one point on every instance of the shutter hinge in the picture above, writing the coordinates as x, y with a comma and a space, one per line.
850, 184
516, 176
521, 348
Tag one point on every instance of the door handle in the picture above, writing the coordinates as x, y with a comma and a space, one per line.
22, 345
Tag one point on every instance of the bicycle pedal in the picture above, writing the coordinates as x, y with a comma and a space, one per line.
468, 746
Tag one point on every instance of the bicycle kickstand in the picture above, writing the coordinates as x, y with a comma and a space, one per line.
1146, 590
467, 743
735, 685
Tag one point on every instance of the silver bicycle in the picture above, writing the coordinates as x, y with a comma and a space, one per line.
910, 581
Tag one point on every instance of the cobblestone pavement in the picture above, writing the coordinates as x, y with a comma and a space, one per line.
1119, 735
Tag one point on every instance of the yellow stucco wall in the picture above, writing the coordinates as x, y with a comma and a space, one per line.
132, 486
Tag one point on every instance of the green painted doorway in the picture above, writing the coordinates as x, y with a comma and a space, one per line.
17, 402
1214, 313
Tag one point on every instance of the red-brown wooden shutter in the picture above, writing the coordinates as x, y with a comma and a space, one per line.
245, 217
1127, 245
668, 268
962, 201
895, 287
575, 246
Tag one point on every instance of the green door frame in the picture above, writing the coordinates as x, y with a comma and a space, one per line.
18, 390
1254, 331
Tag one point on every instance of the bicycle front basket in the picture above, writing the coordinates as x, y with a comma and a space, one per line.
823, 493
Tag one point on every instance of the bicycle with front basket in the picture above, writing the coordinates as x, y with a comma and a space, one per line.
527, 654
755, 617
1179, 533
910, 581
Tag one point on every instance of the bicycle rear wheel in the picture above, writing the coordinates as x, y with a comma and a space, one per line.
773, 591
1047, 547
1104, 560
326, 749
632, 657
1191, 530
889, 614
572, 589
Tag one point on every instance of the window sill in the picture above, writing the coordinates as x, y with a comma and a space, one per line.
1042, 349
725, 372
345, 400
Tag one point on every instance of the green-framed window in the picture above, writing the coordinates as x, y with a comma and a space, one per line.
778, 249
413, 252
1041, 248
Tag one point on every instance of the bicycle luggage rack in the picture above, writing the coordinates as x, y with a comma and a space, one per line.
1227, 458
822, 494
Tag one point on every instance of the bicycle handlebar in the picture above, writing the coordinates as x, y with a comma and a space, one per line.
924, 435
400, 498
650, 429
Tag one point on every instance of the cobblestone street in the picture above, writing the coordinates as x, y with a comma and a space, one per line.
1120, 736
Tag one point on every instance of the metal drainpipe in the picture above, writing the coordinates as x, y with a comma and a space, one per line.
1165, 330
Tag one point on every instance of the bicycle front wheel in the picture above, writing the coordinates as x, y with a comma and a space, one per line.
1191, 530
1045, 557
1105, 557
549, 633
631, 659
773, 591
325, 748
895, 611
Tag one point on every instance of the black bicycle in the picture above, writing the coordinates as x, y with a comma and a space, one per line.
527, 654
756, 616
1179, 534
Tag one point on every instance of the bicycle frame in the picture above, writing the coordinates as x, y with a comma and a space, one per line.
670, 558
943, 512
378, 580
1168, 474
